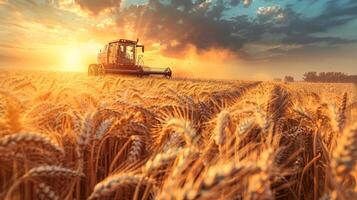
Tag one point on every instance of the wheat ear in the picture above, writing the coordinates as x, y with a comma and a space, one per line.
345, 155
84, 138
259, 183
185, 128
36, 140
135, 149
217, 174
45, 192
114, 182
161, 159
86, 132
52, 171
103, 128
341, 117
222, 122
43, 171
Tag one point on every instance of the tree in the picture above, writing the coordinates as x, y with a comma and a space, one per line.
329, 77
288, 79
310, 77
332, 77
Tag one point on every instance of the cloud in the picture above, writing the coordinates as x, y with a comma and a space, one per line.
9, 46
234, 2
306, 39
332, 16
176, 24
95, 7
271, 12
299, 29
247, 3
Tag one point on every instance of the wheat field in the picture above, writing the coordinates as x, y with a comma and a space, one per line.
70, 136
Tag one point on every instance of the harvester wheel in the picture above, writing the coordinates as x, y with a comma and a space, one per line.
93, 70
168, 73
100, 70
140, 73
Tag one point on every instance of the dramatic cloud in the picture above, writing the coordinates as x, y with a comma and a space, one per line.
299, 29
205, 24
180, 23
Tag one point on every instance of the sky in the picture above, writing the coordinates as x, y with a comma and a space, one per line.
233, 39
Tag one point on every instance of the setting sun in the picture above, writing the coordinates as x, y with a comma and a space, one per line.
73, 60
77, 57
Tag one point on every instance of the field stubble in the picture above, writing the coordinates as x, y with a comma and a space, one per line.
69, 136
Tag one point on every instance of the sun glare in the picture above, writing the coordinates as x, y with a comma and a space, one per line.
73, 60
77, 57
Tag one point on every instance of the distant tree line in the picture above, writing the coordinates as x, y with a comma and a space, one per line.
329, 77
287, 79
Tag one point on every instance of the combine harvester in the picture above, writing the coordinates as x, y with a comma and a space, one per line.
120, 57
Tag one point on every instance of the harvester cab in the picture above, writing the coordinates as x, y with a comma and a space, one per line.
121, 57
